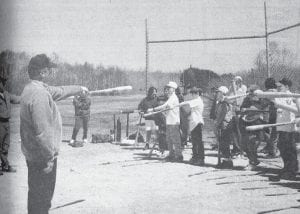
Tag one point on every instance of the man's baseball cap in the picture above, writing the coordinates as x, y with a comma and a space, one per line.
238, 78
39, 62
223, 89
172, 84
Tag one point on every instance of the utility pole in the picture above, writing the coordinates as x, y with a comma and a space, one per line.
147, 57
267, 43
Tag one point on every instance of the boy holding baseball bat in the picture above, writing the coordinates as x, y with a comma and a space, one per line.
270, 148
223, 117
172, 123
251, 114
286, 141
195, 124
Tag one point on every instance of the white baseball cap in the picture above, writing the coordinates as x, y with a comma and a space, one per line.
172, 84
238, 78
223, 89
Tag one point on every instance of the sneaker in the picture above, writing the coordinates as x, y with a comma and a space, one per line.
8, 169
193, 160
85, 140
288, 176
169, 158
178, 159
226, 164
72, 141
200, 162
76, 144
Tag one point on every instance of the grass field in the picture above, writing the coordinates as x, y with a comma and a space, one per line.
102, 111
108, 178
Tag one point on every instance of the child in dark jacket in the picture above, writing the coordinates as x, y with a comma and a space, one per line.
82, 104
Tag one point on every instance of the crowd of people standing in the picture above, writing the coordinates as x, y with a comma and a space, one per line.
231, 117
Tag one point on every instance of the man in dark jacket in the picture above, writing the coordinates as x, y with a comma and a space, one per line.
5, 100
82, 104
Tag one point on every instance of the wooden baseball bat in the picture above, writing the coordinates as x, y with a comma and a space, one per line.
235, 97
110, 90
107, 91
263, 126
271, 95
249, 110
167, 109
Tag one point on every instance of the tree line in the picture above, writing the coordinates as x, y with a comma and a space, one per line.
86, 74
282, 63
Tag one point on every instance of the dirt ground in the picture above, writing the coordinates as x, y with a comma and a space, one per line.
109, 178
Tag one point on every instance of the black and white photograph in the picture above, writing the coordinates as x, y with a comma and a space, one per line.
145, 107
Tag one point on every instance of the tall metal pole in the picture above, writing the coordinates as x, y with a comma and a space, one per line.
147, 57
266, 37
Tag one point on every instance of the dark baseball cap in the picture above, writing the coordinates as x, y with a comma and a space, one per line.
39, 62
285, 81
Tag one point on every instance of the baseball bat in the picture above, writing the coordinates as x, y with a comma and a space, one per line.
167, 109
235, 97
110, 90
107, 91
263, 126
271, 95
249, 110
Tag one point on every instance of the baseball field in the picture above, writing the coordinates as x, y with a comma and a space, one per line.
109, 178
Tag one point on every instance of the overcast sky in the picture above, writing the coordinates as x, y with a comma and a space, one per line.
112, 32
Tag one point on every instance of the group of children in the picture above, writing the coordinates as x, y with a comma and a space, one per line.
175, 122
256, 111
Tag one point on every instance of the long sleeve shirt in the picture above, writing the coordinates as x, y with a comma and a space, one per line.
284, 115
5, 100
173, 115
40, 120
196, 117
